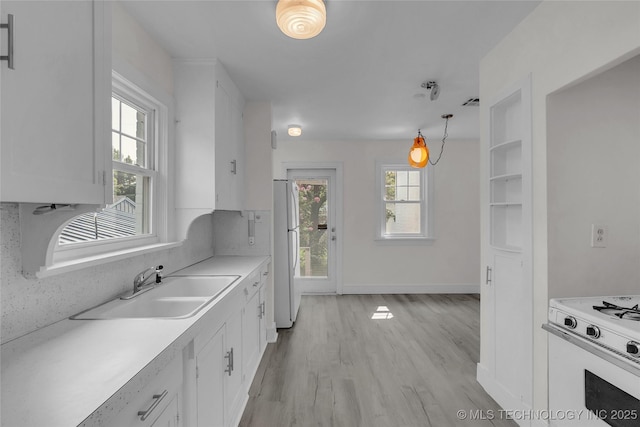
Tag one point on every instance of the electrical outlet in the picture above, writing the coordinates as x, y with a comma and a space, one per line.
599, 236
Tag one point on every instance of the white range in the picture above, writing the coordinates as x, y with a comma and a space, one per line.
594, 361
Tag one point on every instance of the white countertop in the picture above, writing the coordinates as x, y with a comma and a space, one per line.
69, 373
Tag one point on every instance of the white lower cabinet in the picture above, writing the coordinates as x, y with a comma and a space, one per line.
219, 380
211, 367
254, 325
233, 396
207, 385
159, 403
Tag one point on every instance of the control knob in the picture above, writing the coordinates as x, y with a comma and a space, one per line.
593, 331
633, 348
570, 322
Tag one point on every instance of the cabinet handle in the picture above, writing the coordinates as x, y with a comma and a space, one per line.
233, 166
229, 357
9, 56
255, 284
260, 311
157, 398
488, 277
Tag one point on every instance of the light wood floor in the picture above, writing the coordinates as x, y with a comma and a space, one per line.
339, 367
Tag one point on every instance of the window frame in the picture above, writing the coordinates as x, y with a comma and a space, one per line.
426, 236
156, 158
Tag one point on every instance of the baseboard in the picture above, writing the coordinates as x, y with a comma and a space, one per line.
506, 400
272, 333
433, 288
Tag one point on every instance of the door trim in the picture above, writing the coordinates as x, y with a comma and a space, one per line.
338, 167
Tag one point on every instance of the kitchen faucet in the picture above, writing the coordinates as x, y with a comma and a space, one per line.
141, 279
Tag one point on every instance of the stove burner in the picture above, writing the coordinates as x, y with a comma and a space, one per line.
629, 313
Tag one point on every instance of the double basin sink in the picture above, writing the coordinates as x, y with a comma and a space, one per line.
177, 297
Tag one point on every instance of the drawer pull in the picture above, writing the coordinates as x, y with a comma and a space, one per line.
157, 398
256, 284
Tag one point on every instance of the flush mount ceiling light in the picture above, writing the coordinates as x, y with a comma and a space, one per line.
294, 130
419, 152
301, 19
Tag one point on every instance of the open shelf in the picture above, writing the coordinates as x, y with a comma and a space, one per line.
506, 189
506, 159
505, 175
506, 226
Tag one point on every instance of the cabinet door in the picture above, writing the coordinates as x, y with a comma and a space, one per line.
251, 334
224, 150
263, 321
210, 382
233, 390
55, 102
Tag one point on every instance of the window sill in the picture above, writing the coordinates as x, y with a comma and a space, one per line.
91, 261
405, 241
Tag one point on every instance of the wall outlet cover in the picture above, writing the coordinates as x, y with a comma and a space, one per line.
599, 236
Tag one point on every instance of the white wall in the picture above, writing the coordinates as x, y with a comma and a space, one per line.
593, 175
558, 43
451, 262
132, 45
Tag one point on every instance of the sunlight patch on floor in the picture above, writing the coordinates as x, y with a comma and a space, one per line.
382, 313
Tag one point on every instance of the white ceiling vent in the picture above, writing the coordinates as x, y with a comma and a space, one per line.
471, 102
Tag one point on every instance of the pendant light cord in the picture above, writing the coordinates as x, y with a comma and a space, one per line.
444, 137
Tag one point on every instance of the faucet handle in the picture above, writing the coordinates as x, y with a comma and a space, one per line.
159, 274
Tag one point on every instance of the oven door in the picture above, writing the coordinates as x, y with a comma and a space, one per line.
590, 386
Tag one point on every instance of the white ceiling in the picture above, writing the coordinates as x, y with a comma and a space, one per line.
360, 78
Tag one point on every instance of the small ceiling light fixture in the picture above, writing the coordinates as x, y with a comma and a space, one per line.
419, 152
301, 19
294, 130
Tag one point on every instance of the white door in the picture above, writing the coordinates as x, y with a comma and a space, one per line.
319, 231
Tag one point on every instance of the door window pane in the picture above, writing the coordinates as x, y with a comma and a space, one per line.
312, 208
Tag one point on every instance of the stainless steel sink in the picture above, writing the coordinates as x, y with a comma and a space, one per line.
176, 298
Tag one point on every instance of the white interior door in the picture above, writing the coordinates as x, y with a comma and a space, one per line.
319, 232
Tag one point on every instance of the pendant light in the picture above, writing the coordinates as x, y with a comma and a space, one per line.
301, 19
419, 152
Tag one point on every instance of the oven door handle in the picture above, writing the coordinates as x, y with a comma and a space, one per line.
593, 348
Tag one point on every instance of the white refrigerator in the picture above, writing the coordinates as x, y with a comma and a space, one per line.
286, 252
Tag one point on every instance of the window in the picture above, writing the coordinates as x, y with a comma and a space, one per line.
403, 202
138, 129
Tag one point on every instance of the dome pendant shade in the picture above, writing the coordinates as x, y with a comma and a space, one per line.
301, 19
419, 153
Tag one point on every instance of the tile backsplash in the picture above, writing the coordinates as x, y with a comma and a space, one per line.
232, 233
30, 304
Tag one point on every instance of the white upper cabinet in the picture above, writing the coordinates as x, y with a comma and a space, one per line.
55, 102
209, 141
